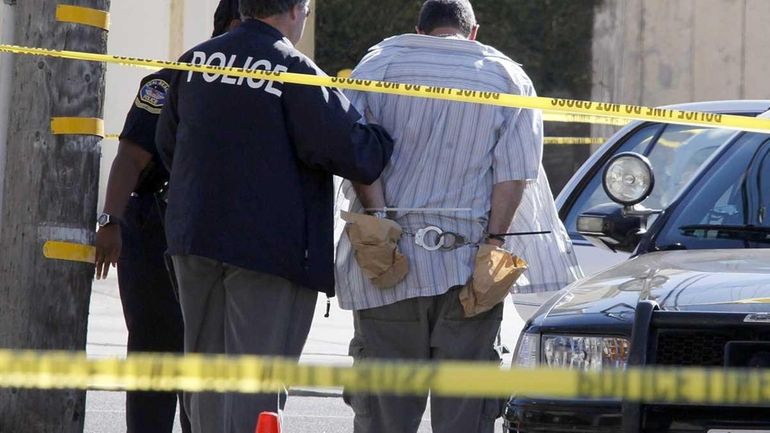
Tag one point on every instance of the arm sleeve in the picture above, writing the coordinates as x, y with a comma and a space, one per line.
165, 135
519, 150
142, 118
326, 132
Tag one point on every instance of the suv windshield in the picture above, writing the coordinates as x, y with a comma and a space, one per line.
727, 207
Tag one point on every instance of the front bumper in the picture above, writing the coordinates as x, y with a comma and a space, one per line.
523, 415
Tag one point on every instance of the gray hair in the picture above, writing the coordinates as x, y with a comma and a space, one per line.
267, 8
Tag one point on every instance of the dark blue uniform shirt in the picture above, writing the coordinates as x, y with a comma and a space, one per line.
140, 126
252, 161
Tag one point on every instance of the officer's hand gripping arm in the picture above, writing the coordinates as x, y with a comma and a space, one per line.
326, 134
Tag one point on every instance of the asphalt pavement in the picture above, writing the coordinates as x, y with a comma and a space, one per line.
316, 411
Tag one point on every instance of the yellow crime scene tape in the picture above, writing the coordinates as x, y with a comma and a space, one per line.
83, 15
249, 374
568, 106
546, 140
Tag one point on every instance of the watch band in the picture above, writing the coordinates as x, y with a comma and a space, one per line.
104, 219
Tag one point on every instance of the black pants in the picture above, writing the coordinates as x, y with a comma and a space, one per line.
151, 309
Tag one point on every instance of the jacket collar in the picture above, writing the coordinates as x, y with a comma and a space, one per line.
255, 25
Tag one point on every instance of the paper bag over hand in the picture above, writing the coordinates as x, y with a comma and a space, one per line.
375, 246
496, 271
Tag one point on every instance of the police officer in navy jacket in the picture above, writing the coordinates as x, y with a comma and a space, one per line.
131, 236
250, 207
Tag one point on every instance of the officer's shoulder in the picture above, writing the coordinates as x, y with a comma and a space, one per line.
162, 74
152, 91
295, 60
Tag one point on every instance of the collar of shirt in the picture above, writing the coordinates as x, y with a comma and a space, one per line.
412, 40
255, 25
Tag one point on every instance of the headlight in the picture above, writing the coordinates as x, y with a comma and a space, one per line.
585, 353
527, 351
628, 178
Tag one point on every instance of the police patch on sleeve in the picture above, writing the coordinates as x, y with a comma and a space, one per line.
152, 95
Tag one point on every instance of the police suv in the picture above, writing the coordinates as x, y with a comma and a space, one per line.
695, 293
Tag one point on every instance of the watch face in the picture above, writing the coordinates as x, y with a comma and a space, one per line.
103, 219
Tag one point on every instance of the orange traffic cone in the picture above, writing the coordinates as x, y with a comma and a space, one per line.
268, 423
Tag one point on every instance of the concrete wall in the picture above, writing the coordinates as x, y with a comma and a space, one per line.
7, 25
653, 52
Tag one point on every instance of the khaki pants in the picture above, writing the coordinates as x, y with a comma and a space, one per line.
428, 328
235, 311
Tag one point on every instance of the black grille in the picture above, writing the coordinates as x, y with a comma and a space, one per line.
701, 347
691, 348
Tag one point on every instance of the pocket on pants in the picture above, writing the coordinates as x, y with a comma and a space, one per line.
493, 407
359, 402
453, 309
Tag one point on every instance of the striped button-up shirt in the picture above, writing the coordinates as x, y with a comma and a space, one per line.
448, 155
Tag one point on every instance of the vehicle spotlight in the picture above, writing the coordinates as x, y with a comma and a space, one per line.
628, 178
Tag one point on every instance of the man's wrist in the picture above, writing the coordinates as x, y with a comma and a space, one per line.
105, 220
381, 214
494, 237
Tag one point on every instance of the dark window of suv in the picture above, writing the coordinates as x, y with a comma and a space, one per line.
676, 152
727, 207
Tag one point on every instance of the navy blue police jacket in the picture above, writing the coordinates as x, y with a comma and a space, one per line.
251, 161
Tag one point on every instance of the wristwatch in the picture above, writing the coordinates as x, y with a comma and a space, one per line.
105, 219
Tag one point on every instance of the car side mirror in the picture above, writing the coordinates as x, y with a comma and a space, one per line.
628, 180
608, 226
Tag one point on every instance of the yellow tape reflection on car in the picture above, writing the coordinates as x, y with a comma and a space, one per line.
569, 106
248, 374
83, 15
69, 251
754, 301
573, 140
582, 118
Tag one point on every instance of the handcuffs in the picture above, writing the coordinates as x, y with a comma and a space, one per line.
444, 241
450, 241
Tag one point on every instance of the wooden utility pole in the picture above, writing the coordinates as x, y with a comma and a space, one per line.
176, 29
50, 192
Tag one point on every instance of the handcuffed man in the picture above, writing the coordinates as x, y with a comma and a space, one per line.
461, 178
